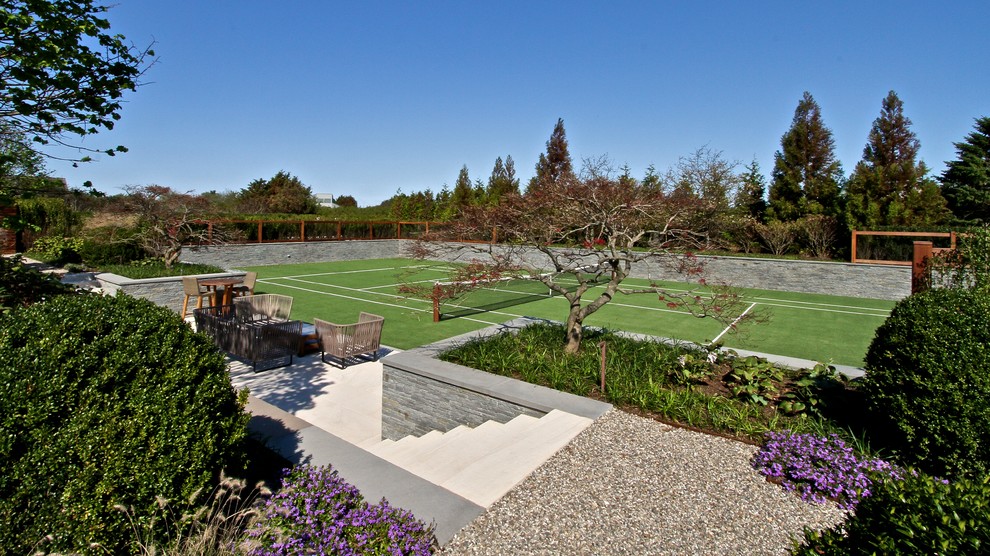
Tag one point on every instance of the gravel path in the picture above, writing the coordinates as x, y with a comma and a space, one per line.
630, 485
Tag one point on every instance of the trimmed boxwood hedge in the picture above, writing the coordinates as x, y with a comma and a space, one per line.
927, 382
107, 401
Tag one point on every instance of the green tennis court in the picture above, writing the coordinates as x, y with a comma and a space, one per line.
817, 327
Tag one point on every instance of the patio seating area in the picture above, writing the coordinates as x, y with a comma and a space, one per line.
258, 329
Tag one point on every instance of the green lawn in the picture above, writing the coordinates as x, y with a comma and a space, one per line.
816, 327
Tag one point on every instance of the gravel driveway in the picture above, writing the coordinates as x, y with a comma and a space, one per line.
630, 485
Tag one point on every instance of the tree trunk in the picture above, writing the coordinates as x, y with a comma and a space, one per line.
574, 331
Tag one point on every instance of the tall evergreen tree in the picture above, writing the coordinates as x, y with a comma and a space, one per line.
652, 180
501, 183
966, 181
889, 186
806, 174
750, 197
463, 194
555, 166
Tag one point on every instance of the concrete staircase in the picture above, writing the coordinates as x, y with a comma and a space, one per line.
483, 463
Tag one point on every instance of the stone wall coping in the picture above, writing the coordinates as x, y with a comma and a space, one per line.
499, 387
119, 280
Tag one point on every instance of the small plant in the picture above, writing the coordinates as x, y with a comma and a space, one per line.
807, 390
820, 468
754, 379
317, 512
691, 368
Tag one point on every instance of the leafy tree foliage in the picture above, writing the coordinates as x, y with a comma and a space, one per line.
889, 186
806, 173
966, 181
168, 219
555, 165
282, 194
346, 201
61, 72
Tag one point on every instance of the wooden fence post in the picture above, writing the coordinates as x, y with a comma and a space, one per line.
921, 279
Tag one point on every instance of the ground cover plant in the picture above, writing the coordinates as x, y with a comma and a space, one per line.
822, 469
317, 512
740, 397
152, 268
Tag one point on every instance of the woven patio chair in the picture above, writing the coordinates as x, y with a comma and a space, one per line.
264, 307
191, 288
347, 341
269, 342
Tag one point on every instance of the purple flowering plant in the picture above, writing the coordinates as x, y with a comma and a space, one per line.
821, 468
317, 512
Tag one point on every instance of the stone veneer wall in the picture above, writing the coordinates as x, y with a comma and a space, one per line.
166, 292
413, 404
832, 278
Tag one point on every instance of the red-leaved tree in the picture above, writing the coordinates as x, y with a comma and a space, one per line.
594, 230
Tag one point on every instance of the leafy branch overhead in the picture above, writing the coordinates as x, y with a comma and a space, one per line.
62, 72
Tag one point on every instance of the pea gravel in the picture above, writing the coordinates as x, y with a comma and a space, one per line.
631, 485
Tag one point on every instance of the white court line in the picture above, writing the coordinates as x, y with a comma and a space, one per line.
366, 300
427, 267
733, 323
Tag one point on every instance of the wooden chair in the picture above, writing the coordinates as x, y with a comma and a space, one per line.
190, 287
247, 288
344, 341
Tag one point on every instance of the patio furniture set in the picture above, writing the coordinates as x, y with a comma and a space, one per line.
257, 328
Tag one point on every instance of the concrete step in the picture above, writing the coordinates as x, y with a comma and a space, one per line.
485, 480
407, 444
448, 459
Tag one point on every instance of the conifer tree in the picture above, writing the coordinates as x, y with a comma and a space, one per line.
966, 181
463, 194
806, 174
555, 165
750, 199
889, 186
502, 182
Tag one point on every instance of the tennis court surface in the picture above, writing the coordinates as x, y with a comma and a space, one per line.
808, 326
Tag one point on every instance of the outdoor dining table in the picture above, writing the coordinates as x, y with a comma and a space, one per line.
225, 295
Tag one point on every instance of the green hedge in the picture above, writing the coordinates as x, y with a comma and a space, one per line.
106, 401
928, 382
917, 515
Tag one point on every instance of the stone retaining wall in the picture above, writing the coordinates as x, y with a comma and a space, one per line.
413, 404
832, 278
166, 292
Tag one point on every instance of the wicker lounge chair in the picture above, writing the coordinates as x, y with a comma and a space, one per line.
258, 341
265, 307
347, 341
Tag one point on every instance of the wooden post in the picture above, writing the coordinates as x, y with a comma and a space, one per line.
259, 230
852, 254
920, 274
338, 229
302, 230
436, 302
602, 346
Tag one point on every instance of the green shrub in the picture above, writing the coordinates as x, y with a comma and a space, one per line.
97, 252
917, 515
57, 250
927, 382
21, 285
106, 401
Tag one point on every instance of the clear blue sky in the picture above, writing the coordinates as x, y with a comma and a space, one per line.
364, 98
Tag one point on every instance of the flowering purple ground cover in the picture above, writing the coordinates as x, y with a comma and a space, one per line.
821, 468
317, 512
